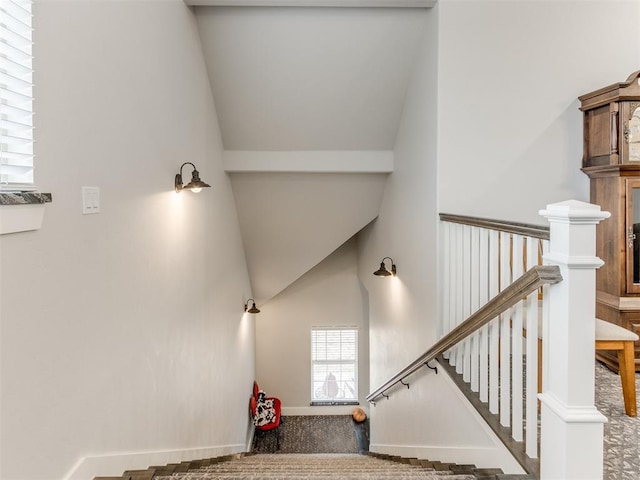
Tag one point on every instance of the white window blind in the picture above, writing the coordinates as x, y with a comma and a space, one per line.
16, 101
334, 365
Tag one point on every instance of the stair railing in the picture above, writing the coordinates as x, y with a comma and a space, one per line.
530, 282
483, 258
487, 259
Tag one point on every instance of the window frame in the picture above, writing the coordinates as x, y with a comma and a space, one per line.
342, 360
16, 97
21, 205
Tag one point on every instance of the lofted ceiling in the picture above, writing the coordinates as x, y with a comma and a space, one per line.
309, 78
309, 101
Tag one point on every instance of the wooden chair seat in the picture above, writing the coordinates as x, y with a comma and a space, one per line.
611, 337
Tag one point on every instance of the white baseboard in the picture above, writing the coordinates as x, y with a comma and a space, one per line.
116, 464
480, 457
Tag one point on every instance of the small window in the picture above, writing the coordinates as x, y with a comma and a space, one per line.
334, 366
16, 108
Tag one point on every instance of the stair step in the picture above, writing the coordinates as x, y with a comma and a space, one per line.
505, 476
146, 474
162, 470
464, 468
441, 466
487, 473
315, 467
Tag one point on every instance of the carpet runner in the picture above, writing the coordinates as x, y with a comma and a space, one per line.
310, 434
313, 467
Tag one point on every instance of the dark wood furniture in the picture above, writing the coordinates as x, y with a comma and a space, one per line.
611, 159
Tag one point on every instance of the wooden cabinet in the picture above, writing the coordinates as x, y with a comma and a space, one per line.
611, 159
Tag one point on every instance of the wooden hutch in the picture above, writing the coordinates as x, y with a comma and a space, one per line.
611, 159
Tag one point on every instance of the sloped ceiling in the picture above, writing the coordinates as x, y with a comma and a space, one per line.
309, 101
309, 78
292, 221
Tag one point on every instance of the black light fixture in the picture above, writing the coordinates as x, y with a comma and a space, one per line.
383, 272
195, 185
253, 308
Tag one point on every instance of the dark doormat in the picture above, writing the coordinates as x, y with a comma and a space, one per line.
310, 434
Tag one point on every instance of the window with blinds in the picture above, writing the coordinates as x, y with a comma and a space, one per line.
16, 105
334, 366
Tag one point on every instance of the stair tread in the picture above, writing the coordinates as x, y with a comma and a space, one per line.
319, 466
316, 467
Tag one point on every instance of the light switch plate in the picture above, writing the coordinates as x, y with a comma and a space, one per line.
90, 200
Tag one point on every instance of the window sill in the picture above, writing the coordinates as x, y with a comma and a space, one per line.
22, 212
318, 410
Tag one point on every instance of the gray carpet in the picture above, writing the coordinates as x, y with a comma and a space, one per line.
621, 433
314, 467
311, 434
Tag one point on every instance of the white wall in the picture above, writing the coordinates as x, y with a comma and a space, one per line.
291, 221
329, 294
308, 79
431, 419
491, 127
405, 229
510, 74
123, 341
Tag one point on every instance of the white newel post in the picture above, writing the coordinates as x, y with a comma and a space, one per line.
571, 433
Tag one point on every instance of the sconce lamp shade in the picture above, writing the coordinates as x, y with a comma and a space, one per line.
253, 308
383, 272
195, 185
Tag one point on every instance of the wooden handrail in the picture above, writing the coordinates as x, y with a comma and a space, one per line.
528, 283
526, 229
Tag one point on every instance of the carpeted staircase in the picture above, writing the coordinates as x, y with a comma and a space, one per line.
314, 467
312, 448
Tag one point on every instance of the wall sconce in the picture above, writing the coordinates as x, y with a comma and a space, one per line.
253, 308
195, 185
383, 272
